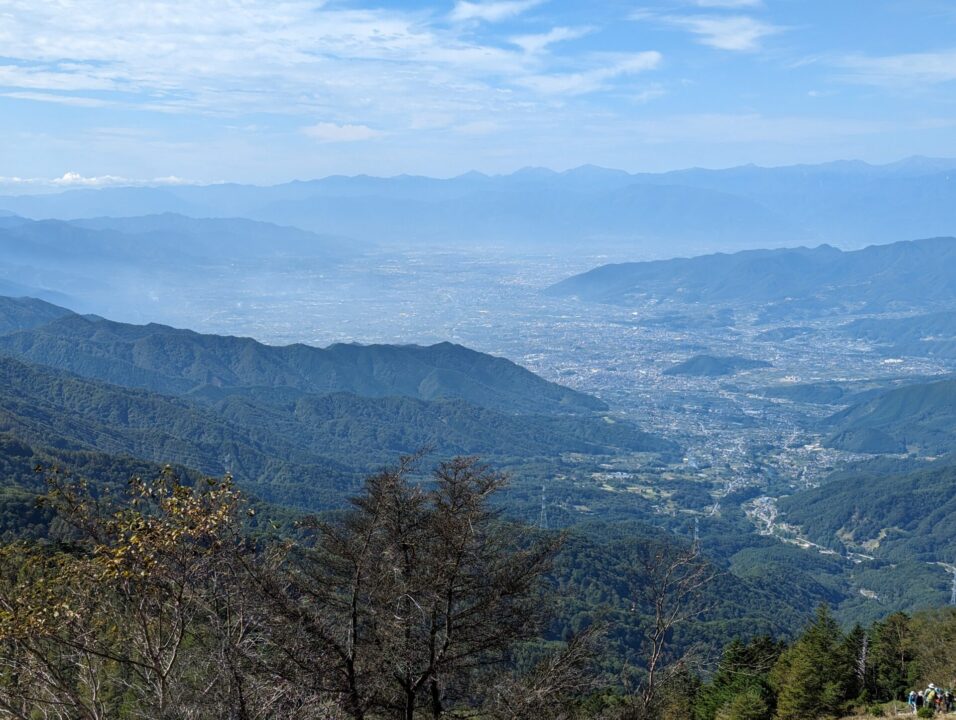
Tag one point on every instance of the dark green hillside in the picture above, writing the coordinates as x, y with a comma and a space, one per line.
376, 430
53, 409
710, 366
599, 578
919, 417
168, 360
844, 393
20, 518
892, 517
27, 313
914, 273
290, 446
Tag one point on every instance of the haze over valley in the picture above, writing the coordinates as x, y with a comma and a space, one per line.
723, 382
487, 359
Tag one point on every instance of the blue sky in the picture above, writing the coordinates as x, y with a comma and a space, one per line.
94, 92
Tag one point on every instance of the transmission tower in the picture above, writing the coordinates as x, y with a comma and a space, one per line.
952, 595
697, 533
543, 517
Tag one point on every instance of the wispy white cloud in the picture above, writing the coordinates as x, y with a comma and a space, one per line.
73, 100
72, 179
733, 32
537, 43
331, 133
737, 32
366, 73
729, 4
494, 11
592, 80
295, 57
904, 70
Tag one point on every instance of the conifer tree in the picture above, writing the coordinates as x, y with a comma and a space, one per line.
740, 686
812, 678
892, 656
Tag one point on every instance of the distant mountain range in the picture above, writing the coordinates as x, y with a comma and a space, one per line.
296, 424
902, 275
166, 239
844, 203
116, 262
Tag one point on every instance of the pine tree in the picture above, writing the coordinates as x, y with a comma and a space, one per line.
813, 677
892, 657
740, 687
855, 651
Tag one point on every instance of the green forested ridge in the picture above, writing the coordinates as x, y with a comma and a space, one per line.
168, 360
300, 452
208, 237
783, 334
27, 313
842, 393
892, 517
908, 274
920, 417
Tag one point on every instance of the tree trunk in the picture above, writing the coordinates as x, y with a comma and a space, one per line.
437, 708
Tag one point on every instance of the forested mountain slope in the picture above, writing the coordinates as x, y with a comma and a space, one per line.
902, 274
168, 360
919, 417
297, 424
26, 313
167, 239
893, 517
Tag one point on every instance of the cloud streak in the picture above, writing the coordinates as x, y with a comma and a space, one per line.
72, 180
331, 133
358, 67
589, 81
904, 70
491, 11
541, 41
729, 4
740, 33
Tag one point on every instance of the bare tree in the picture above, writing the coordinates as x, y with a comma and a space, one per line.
137, 607
666, 581
410, 591
553, 688
165, 605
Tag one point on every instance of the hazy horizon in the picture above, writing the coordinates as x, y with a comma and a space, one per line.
74, 181
208, 91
